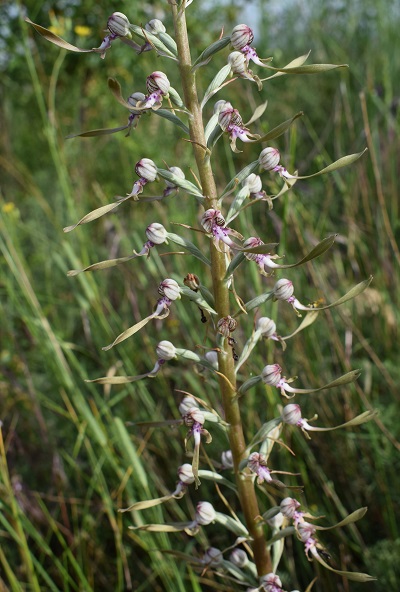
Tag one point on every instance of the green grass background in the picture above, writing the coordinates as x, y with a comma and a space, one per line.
70, 458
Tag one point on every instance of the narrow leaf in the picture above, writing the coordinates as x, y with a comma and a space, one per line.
306, 322
241, 176
231, 524
310, 69
172, 527
353, 293
338, 164
283, 533
217, 478
358, 420
172, 118
263, 432
212, 124
115, 88
212, 49
216, 83
246, 386
94, 215
317, 251
179, 182
154, 41
347, 378
121, 379
147, 504
350, 575
102, 265
129, 332
197, 298
234, 264
294, 63
98, 132
280, 129
258, 300
55, 39
258, 112
183, 242
353, 517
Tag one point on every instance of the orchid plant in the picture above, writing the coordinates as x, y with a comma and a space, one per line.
254, 538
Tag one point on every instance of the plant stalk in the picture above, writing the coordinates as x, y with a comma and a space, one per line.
245, 485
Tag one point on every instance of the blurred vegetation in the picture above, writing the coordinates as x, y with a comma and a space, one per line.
72, 459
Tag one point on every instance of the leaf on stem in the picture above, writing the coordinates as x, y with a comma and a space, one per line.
353, 293
172, 118
306, 322
183, 242
96, 214
134, 329
197, 298
216, 84
280, 129
98, 132
241, 176
211, 50
55, 39
338, 164
102, 265
353, 517
293, 64
310, 69
317, 251
179, 182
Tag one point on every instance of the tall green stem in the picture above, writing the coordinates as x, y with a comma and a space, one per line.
237, 442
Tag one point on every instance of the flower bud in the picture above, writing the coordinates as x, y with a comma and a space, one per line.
266, 326
241, 36
271, 582
291, 414
226, 459
210, 218
156, 233
175, 171
305, 530
155, 26
238, 63
269, 158
158, 82
276, 521
192, 281
250, 243
186, 404
170, 289
254, 183
239, 558
194, 415
289, 506
146, 169
283, 289
212, 555
212, 358
118, 24
271, 374
226, 325
228, 116
135, 97
205, 513
165, 350
219, 105
185, 474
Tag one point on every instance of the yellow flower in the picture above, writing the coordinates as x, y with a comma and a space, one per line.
8, 207
82, 30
